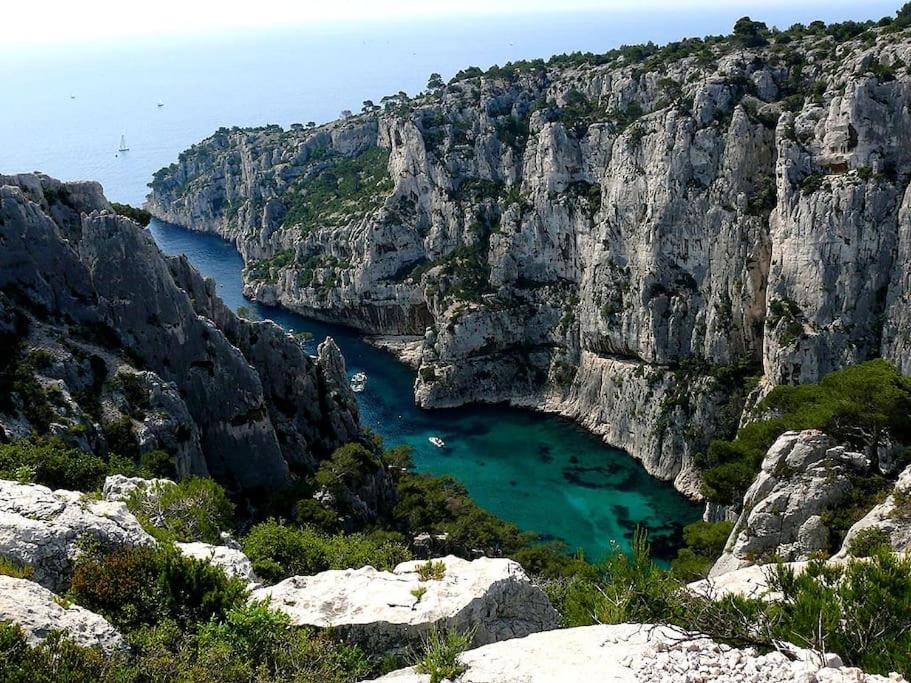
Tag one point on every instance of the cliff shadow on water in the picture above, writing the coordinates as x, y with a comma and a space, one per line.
543, 473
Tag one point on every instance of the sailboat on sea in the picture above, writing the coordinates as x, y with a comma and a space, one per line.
123, 144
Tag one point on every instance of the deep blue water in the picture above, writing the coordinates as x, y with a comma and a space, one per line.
541, 472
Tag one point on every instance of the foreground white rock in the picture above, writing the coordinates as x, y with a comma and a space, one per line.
42, 528
633, 653
231, 560
37, 611
386, 610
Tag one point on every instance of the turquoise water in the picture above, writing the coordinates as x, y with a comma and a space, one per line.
541, 472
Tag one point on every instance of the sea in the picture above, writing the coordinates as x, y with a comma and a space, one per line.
64, 109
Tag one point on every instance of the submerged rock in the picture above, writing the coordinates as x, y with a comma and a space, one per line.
38, 612
384, 611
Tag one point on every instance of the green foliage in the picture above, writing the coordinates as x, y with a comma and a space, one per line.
862, 405
869, 541
268, 270
135, 586
55, 660
344, 189
442, 505
195, 509
749, 33
141, 216
249, 643
703, 544
862, 611
348, 468
764, 198
812, 183
49, 462
431, 571
278, 551
17, 570
440, 656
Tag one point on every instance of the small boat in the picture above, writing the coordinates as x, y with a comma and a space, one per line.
358, 382
123, 144
437, 441
160, 105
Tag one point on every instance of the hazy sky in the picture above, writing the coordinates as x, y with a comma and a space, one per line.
56, 21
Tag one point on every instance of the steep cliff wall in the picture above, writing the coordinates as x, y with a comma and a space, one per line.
110, 345
620, 238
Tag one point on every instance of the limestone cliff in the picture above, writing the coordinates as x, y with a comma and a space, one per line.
112, 346
620, 238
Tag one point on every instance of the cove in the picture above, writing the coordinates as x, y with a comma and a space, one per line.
541, 472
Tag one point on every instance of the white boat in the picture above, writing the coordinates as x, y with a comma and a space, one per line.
358, 382
437, 441
123, 144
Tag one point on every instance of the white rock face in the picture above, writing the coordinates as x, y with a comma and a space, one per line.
119, 487
804, 474
37, 611
233, 561
42, 528
750, 582
885, 516
378, 610
635, 653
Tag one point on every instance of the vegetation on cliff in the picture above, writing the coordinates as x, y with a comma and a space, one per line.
867, 406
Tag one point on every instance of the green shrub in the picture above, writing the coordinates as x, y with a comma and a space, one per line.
195, 509
135, 586
49, 462
431, 570
863, 405
440, 656
141, 216
703, 544
55, 660
278, 551
17, 570
340, 190
869, 541
442, 505
861, 611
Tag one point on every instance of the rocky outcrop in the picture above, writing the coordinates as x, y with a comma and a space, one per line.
619, 240
892, 518
384, 611
120, 488
43, 528
231, 560
38, 612
752, 581
638, 653
804, 475
123, 348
